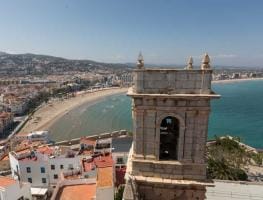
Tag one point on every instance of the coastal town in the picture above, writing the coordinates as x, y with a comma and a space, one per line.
39, 168
131, 100
21, 96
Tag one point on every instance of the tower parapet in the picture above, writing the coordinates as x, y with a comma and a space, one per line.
190, 63
140, 61
205, 62
174, 81
170, 110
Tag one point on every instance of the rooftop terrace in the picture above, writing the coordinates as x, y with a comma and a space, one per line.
77, 192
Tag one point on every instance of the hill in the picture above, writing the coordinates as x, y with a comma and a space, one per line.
33, 64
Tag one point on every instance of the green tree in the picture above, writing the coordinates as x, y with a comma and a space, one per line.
226, 159
119, 193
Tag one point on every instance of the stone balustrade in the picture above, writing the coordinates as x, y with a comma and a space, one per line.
172, 81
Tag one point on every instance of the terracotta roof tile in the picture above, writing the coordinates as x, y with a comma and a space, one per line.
104, 161
6, 181
45, 150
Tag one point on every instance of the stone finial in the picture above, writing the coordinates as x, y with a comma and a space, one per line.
140, 63
205, 62
190, 63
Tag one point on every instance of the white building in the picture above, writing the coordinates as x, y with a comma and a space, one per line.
18, 108
99, 184
120, 150
43, 167
42, 136
11, 189
103, 145
126, 79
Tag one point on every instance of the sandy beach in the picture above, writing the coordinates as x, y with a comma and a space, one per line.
49, 113
237, 80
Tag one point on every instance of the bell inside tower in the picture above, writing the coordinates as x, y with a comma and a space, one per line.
169, 136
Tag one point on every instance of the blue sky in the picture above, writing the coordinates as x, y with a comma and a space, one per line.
166, 31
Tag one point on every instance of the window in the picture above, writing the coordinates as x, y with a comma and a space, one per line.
29, 180
44, 180
55, 176
169, 136
61, 166
42, 169
53, 167
120, 160
28, 170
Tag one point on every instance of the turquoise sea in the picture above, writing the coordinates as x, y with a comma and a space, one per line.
239, 112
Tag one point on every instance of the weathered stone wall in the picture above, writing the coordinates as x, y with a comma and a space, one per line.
184, 95
170, 192
167, 81
174, 170
192, 115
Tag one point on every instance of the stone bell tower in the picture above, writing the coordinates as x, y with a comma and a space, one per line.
170, 111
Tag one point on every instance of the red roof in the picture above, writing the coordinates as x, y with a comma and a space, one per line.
98, 162
88, 165
104, 161
87, 141
6, 181
45, 150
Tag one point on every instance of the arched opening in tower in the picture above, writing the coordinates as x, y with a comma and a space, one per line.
169, 136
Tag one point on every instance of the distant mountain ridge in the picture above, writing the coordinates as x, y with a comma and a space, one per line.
35, 64
2, 53
29, 63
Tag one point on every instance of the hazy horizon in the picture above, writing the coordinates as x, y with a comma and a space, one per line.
196, 65
114, 31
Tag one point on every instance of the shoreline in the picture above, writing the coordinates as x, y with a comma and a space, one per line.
236, 80
50, 113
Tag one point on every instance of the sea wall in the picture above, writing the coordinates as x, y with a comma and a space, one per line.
95, 137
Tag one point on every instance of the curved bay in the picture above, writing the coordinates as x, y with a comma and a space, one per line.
239, 112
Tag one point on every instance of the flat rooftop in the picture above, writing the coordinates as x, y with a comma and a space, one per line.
6, 181
122, 144
104, 161
98, 162
230, 190
77, 192
105, 177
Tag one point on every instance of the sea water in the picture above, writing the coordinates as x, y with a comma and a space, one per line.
239, 112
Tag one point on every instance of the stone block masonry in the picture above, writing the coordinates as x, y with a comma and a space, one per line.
170, 109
